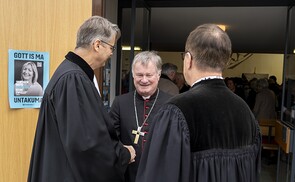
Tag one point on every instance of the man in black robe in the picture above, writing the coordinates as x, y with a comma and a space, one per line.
207, 133
134, 111
75, 140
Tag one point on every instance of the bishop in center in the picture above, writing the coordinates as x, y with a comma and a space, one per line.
133, 112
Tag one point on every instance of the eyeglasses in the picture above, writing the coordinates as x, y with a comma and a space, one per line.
111, 46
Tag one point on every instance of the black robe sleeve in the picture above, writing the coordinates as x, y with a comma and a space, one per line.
73, 140
115, 115
166, 156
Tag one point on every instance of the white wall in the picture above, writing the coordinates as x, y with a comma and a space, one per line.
271, 64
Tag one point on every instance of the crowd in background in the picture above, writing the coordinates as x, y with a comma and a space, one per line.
263, 95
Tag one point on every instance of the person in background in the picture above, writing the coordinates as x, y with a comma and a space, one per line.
276, 88
166, 83
75, 139
181, 83
251, 96
134, 111
28, 85
265, 102
207, 133
231, 84
273, 85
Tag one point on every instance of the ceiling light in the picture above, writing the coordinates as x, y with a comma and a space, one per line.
222, 27
128, 48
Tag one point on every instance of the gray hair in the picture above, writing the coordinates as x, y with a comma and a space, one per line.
96, 27
148, 56
209, 46
262, 83
168, 68
35, 71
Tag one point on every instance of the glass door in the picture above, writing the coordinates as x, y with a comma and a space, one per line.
135, 24
286, 162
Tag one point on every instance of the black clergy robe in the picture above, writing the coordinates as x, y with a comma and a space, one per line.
75, 140
123, 113
207, 134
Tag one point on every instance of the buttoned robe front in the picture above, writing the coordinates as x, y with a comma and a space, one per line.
123, 112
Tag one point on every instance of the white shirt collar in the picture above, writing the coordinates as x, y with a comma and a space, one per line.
96, 84
207, 78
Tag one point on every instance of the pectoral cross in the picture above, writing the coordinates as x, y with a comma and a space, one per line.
137, 133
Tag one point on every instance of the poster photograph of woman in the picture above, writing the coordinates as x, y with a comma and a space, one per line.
28, 77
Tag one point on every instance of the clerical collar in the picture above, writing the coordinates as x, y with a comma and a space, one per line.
81, 63
147, 97
207, 78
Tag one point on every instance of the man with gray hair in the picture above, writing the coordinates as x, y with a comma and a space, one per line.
207, 133
75, 138
134, 111
168, 75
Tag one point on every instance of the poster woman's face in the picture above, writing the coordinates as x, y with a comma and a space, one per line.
27, 73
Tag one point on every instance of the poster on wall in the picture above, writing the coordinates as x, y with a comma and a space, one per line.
28, 76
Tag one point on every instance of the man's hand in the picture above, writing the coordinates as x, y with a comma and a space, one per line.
132, 153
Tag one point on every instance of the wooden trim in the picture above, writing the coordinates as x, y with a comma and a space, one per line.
98, 9
267, 127
282, 136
